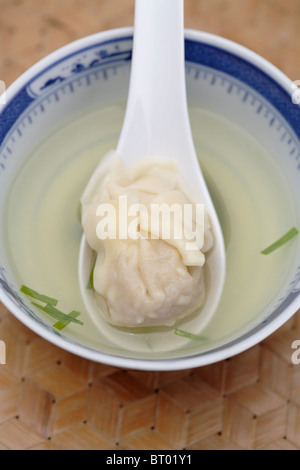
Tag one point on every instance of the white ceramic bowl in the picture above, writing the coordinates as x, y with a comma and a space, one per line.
221, 76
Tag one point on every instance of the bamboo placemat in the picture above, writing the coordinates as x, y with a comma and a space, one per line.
51, 399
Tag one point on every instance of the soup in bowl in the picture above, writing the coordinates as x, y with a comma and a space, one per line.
66, 112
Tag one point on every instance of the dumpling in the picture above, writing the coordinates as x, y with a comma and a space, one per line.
150, 255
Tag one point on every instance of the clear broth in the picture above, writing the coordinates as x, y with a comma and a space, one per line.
250, 194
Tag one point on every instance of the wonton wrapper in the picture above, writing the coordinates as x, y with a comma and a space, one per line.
148, 281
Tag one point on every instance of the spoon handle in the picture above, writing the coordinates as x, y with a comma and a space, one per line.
156, 120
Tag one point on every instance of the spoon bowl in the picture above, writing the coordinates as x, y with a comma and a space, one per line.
156, 124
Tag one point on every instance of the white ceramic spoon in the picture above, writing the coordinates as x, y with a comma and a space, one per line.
157, 124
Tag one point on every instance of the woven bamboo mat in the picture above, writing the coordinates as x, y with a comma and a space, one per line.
50, 399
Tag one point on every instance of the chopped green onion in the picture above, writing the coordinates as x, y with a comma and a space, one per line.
43, 298
281, 241
63, 319
60, 325
57, 314
188, 335
90, 284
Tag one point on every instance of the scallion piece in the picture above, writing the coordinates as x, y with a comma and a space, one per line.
90, 284
188, 335
281, 241
50, 308
57, 314
60, 325
43, 298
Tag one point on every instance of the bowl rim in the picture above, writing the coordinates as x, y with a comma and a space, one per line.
186, 362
